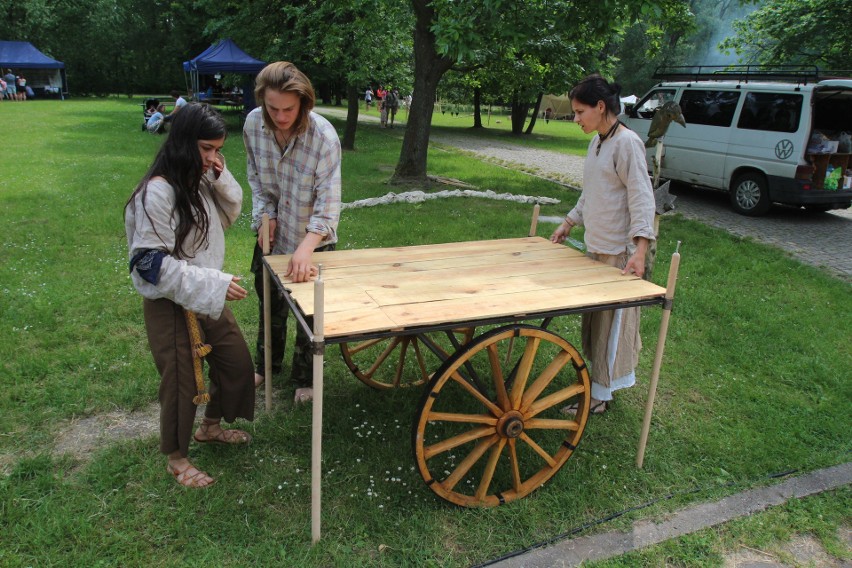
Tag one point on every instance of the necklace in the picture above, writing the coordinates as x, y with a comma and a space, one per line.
284, 140
603, 137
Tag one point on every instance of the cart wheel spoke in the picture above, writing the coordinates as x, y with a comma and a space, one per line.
457, 441
516, 471
490, 467
386, 363
555, 399
523, 372
499, 380
538, 449
509, 438
468, 462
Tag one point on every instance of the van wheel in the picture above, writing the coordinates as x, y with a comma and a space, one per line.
750, 195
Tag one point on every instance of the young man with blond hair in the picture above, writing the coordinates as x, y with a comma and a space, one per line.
293, 167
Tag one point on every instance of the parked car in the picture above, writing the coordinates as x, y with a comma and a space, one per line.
762, 136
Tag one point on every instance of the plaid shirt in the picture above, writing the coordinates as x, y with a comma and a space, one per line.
300, 187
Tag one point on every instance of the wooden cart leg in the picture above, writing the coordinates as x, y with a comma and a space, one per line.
316, 419
534, 223
658, 357
267, 315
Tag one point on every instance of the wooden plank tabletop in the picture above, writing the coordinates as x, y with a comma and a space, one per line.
391, 289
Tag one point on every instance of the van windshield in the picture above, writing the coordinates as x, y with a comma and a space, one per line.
647, 107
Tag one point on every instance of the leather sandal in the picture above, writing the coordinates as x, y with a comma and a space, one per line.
231, 436
186, 477
599, 408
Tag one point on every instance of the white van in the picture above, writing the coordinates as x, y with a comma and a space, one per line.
763, 137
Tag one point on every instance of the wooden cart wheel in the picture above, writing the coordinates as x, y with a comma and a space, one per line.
403, 360
491, 426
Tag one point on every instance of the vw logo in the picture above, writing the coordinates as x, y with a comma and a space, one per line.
784, 149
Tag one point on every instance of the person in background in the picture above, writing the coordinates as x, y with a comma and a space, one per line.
617, 209
392, 101
175, 221
11, 90
156, 123
368, 98
383, 108
180, 102
293, 166
21, 87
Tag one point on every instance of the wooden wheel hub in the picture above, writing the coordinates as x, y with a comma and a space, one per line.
511, 424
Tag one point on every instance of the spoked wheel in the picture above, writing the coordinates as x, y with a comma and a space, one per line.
403, 360
491, 426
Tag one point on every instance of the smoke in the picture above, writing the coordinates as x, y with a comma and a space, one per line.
709, 53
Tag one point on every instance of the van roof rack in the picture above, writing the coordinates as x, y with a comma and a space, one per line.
745, 73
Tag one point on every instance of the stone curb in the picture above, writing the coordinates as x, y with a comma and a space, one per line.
645, 533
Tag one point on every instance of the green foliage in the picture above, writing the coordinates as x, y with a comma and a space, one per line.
805, 32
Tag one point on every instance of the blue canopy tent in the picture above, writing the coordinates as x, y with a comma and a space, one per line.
225, 56
43, 73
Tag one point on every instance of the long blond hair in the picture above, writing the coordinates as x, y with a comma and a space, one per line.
284, 77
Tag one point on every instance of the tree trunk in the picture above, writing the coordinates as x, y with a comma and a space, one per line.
536, 110
429, 67
348, 142
519, 116
477, 108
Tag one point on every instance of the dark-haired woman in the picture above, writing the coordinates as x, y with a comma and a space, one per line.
175, 223
617, 210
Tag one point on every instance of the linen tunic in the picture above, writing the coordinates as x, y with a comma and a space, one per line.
198, 283
617, 202
616, 206
300, 187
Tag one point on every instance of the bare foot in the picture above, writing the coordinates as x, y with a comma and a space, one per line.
304, 395
258, 380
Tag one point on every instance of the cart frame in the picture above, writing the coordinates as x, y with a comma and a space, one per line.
661, 297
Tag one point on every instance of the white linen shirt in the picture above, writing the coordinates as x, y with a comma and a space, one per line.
299, 186
198, 283
617, 202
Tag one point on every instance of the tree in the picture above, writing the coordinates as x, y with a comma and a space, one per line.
341, 46
789, 32
447, 32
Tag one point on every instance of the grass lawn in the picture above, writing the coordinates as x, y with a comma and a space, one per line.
755, 378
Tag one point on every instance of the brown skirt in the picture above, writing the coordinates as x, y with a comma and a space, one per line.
230, 371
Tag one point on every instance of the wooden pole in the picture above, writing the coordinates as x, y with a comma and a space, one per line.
534, 224
267, 315
658, 358
316, 419
658, 162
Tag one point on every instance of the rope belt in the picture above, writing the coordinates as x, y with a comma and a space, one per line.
199, 350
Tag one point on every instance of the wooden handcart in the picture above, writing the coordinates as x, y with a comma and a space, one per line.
491, 426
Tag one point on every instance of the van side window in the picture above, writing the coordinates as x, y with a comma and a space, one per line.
713, 108
775, 112
647, 107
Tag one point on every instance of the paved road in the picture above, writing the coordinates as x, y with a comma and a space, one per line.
820, 239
